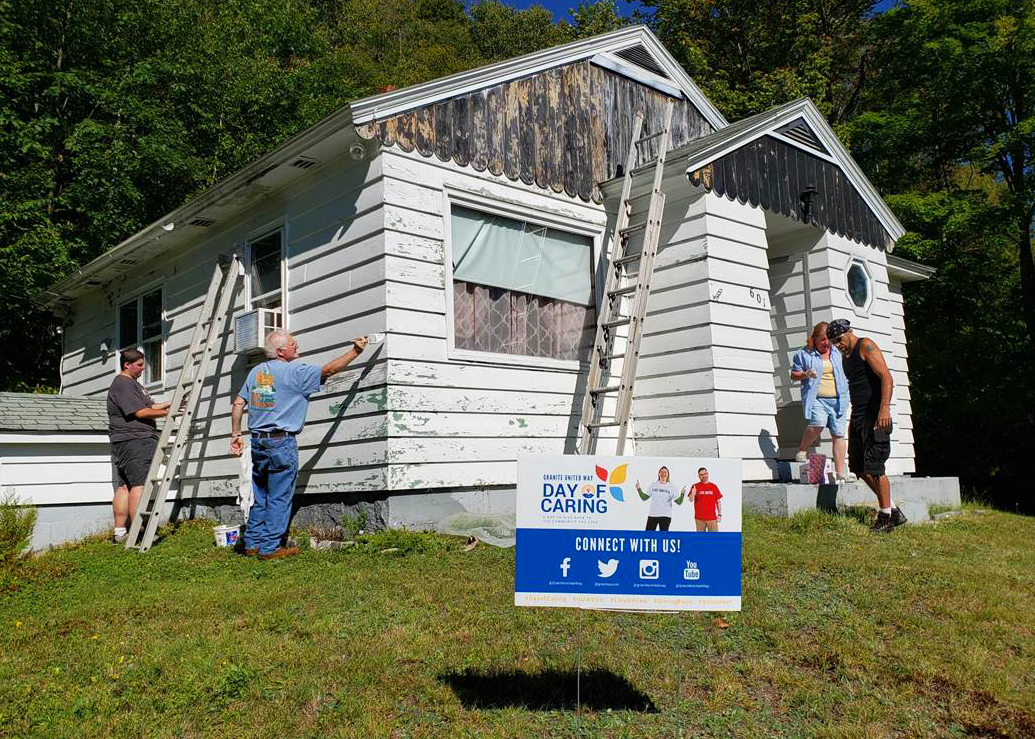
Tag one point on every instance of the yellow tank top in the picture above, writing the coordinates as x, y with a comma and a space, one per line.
827, 388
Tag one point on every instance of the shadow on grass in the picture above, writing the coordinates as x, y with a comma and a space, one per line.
549, 690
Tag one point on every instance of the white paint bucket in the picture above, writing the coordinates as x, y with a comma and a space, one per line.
375, 338
226, 536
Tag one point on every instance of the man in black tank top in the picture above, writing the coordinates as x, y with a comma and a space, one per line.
869, 429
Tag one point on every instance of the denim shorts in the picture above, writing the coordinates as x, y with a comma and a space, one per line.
824, 414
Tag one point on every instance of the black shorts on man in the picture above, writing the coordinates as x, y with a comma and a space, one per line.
868, 448
131, 461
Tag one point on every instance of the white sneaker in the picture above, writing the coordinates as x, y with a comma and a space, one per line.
801, 457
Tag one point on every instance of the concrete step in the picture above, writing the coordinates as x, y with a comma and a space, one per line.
914, 495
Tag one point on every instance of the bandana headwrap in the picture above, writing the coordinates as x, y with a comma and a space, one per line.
838, 328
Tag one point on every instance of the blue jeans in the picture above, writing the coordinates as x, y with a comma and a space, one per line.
274, 471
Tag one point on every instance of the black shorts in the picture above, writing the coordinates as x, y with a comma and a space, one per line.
658, 523
868, 448
131, 461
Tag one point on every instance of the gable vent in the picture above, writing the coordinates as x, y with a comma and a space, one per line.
798, 130
201, 222
639, 56
304, 163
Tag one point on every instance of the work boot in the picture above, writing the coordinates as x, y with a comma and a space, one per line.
280, 553
897, 516
882, 525
250, 552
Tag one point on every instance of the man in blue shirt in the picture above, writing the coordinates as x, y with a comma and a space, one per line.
277, 395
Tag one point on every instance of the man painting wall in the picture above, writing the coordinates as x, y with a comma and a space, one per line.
276, 393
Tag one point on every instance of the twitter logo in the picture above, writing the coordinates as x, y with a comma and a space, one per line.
608, 568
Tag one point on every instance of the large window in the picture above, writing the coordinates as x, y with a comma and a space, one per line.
519, 288
265, 270
140, 327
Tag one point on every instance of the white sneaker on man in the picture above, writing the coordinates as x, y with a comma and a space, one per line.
801, 457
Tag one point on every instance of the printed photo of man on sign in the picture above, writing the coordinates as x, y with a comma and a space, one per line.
587, 538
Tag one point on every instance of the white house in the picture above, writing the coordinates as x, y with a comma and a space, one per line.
420, 212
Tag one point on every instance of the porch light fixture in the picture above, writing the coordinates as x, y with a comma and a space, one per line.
807, 195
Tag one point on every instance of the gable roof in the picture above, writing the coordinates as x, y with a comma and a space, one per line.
35, 413
634, 49
631, 50
809, 123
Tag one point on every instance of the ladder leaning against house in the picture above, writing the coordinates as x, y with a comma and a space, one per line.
172, 442
625, 296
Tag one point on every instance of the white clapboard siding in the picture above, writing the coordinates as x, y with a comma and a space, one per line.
56, 468
336, 277
455, 422
704, 380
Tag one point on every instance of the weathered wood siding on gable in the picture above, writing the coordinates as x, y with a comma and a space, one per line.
771, 174
564, 129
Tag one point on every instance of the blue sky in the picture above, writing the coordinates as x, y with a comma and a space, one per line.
560, 8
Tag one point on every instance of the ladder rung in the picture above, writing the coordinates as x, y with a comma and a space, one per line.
628, 258
618, 322
610, 357
632, 229
623, 290
604, 424
606, 389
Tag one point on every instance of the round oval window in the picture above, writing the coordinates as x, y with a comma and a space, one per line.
858, 285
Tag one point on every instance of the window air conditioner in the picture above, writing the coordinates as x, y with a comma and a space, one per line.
252, 327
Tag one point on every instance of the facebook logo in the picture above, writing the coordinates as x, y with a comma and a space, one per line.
565, 566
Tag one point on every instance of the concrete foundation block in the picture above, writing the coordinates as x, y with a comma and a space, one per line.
914, 495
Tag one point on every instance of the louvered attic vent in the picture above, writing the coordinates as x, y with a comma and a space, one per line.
304, 163
639, 56
798, 130
201, 222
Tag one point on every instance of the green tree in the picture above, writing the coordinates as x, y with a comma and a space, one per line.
750, 55
502, 32
958, 88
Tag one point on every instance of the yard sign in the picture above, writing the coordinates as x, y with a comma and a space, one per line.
582, 538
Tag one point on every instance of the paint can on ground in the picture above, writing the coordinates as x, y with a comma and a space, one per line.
226, 536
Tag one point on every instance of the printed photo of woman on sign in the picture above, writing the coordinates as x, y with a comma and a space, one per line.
661, 494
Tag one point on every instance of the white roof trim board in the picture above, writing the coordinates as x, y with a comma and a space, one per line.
417, 96
719, 144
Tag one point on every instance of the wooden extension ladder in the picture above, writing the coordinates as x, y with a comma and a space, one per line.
625, 297
176, 431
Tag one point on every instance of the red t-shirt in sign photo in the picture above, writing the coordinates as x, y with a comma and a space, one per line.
704, 502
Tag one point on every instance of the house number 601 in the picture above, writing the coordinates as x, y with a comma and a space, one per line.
759, 297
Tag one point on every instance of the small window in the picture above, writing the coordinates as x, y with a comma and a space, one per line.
520, 288
265, 272
858, 285
141, 326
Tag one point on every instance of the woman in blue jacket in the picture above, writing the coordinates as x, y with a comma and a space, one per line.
824, 395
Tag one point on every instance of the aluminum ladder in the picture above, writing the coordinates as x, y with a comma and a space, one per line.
176, 431
625, 296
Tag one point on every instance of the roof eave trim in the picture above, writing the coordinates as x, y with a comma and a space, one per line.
907, 270
821, 128
392, 103
226, 187
644, 77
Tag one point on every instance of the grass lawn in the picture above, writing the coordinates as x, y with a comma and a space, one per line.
926, 632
